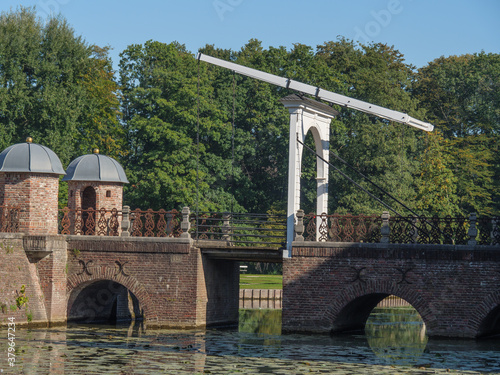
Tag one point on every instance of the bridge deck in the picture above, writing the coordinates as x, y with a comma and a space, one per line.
221, 250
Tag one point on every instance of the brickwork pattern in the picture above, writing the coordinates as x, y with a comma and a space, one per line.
455, 289
102, 190
53, 278
36, 194
15, 271
169, 279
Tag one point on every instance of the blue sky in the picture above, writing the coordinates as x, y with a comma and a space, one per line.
421, 29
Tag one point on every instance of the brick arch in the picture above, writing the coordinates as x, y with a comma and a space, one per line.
479, 321
356, 301
76, 283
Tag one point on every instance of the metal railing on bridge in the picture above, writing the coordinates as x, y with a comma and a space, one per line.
234, 229
422, 230
105, 222
240, 229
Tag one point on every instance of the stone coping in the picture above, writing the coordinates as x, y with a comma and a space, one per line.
119, 239
11, 236
130, 244
391, 246
177, 240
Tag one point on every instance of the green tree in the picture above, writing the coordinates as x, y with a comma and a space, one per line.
54, 87
462, 97
159, 83
381, 150
100, 125
437, 185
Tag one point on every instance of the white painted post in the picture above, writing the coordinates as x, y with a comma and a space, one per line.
294, 165
306, 114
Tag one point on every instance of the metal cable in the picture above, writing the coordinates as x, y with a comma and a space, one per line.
378, 187
348, 178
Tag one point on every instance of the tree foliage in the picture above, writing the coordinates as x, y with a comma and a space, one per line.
189, 133
54, 87
462, 97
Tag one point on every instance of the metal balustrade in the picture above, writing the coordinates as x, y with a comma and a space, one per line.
238, 229
405, 230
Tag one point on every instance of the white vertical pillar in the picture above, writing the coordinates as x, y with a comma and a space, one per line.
306, 114
323, 149
294, 169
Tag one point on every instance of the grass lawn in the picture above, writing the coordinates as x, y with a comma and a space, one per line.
261, 281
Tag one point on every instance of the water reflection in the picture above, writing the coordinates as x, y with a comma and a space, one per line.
396, 335
393, 343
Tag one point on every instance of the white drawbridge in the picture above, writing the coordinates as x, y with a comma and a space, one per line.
305, 115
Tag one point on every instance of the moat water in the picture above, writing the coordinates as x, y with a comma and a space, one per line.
394, 342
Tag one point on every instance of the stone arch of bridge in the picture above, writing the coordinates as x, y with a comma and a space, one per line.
354, 304
77, 283
485, 319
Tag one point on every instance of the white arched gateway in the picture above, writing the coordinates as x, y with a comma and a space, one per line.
307, 115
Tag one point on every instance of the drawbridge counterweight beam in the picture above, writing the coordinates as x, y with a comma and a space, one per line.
319, 93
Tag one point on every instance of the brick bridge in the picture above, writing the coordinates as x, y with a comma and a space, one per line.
100, 261
183, 282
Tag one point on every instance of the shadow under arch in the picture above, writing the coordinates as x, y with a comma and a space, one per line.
485, 320
96, 297
103, 301
357, 302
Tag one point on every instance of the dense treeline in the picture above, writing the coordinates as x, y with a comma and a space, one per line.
163, 108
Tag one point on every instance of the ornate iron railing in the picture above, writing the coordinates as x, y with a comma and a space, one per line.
9, 219
104, 222
342, 228
239, 229
89, 222
423, 230
151, 223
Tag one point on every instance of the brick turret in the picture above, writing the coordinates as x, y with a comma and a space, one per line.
95, 181
29, 182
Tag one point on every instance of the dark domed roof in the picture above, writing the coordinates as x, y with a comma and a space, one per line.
95, 167
30, 157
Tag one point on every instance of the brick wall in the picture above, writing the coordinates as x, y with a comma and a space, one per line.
52, 274
36, 194
174, 285
167, 281
16, 270
109, 195
335, 287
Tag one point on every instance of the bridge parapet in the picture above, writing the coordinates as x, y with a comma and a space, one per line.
234, 229
333, 286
